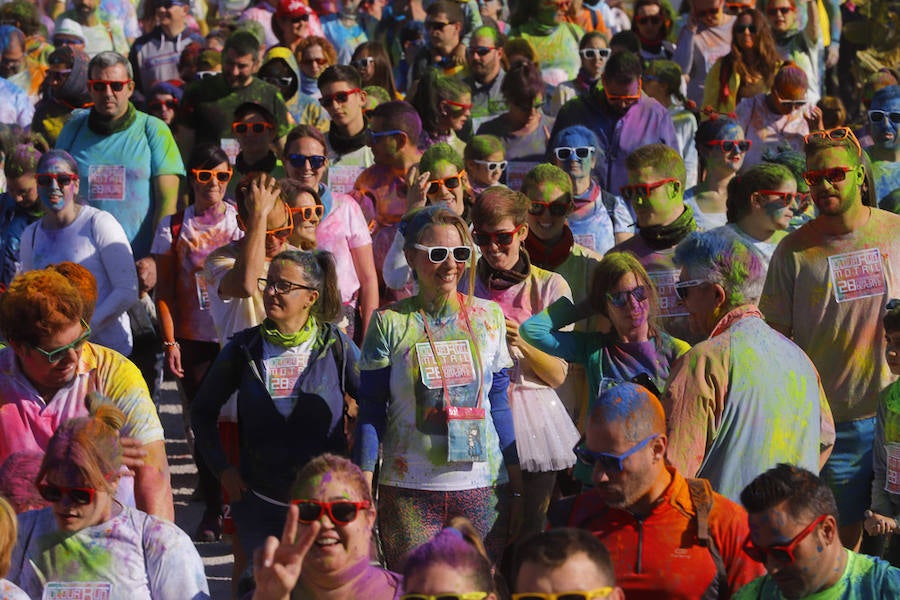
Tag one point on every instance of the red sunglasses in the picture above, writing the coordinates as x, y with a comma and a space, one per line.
341, 512
782, 553
78, 495
785, 199
501, 238
833, 175
642, 190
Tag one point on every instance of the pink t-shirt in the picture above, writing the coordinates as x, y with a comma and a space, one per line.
342, 230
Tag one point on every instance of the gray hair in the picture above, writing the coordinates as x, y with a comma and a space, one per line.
108, 59
719, 256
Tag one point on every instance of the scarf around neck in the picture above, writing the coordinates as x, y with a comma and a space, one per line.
106, 126
548, 256
345, 144
503, 279
270, 333
660, 237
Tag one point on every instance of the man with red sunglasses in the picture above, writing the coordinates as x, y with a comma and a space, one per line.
703, 40
827, 286
793, 521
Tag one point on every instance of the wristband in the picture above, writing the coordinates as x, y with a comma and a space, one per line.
171, 344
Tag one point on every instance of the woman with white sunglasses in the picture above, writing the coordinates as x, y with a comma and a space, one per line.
593, 50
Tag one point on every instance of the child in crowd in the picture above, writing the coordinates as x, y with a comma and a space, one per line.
486, 163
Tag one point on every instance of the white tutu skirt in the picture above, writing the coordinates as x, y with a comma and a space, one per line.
545, 434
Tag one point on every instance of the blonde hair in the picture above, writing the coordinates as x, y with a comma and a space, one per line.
8, 527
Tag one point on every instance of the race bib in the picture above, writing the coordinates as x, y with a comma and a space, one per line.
202, 291
586, 240
106, 183
342, 178
857, 275
282, 373
81, 590
455, 358
892, 478
669, 302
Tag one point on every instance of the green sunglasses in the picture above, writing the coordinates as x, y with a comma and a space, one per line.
54, 356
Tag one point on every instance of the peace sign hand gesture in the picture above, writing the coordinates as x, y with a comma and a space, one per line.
277, 565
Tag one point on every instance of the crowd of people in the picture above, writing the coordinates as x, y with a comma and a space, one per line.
464, 299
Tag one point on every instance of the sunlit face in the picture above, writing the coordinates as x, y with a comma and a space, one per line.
344, 113
439, 280
633, 483
884, 130
305, 173
292, 28
649, 21
594, 66
455, 116
384, 147
579, 169
278, 219
23, 189
313, 61
782, 15
744, 33
54, 196
71, 516
337, 548
662, 205
443, 36
440, 578
835, 198
487, 66
481, 174
238, 69
284, 307
631, 321
212, 191
502, 257
455, 196
305, 221
547, 226
732, 160
702, 304
773, 209
44, 374
107, 102
577, 574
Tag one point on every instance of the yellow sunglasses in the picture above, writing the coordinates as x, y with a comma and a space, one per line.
589, 595
448, 596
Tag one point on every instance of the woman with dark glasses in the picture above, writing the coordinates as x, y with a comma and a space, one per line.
182, 243
86, 539
290, 374
342, 229
445, 105
545, 433
653, 23
593, 50
93, 238
721, 149
374, 65
324, 549
433, 396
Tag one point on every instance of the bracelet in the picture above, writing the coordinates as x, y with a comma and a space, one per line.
516, 494
171, 344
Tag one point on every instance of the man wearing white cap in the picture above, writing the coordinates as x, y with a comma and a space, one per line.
100, 30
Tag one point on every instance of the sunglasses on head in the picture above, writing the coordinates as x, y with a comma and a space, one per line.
206, 175
837, 134
341, 512
594, 53
54, 356
451, 183
588, 595
480, 50
557, 208
610, 463
576, 152
731, 145
877, 116
833, 175
643, 190
100, 85
649, 20
281, 286
340, 97
362, 63
742, 28
620, 299
243, 127
491, 165
781, 553
306, 212
54, 493
63, 179
316, 161
439, 254
501, 238
447, 596
157, 104
278, 81
779, 10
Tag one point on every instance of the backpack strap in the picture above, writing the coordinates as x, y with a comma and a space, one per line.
702, 499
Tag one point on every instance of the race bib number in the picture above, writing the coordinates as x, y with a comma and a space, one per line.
282, 373
456, 362
586, 240
202, 290
857, 275
81, 590
107, 183
231, 147
669, 303
342, 178
892, 477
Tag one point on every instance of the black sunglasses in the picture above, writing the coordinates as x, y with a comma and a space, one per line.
620, 299
173, 104
78, 495
451, 183
341, 512
557, 208
63, 179
100, 85
298, 160
481, 50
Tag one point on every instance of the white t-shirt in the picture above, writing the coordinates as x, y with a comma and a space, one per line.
282, 367
344, 229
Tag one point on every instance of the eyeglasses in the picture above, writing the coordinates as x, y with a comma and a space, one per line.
626, 97
281, 286
589, 595
78, 495
451, 596
206, 175
340, 97
316, 161
158, 104
435, 25
439, 254
731, 145
738, 29
569, 152
643, 190
501, 238
491, 165
459, 107
242, 127
557, 208
374, 136
877, 116
63, 179
779, 10
682, 287
594, 53
306, 212
649, 20
785, 199
279, 81
54, 356
451, 183
610, 463
342, 512
362, 63
480, 50
100, 85
620, 299
782, 553
837, 134
833, 175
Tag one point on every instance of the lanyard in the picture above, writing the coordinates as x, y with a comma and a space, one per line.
476, 354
